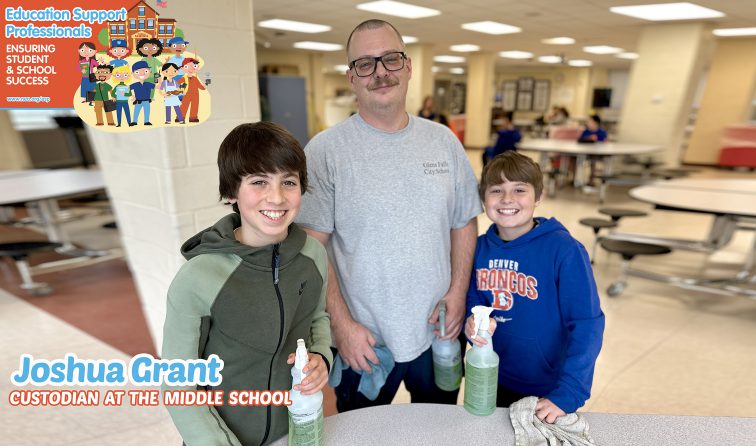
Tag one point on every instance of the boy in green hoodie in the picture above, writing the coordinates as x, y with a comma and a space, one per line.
254, 283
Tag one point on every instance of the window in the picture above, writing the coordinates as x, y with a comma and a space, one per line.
150, 24
161, 29
113, 29
120, 29
169, 29
132, 24
141, 11
141, 24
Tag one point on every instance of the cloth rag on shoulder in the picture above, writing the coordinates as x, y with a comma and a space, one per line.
568, 430
370, 383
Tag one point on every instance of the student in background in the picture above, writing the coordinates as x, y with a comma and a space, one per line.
428, 112
507, 137
593, 131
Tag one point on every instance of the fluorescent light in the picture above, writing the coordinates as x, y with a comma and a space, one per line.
464, 48
290, 25
667, 11
435, 69
341, 68
318, 46
409, 39
602, 49
733, 32
489, 27
457, 70
631, 56
398, 9
580, 63
550, 59
449, 59
559, 41
516, 54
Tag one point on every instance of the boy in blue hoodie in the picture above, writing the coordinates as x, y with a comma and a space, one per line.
547, 324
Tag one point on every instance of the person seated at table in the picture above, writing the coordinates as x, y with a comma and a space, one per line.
593, 131
558, 116
507, 137
428, 112
547, 325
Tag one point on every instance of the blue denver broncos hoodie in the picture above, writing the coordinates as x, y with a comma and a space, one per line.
549, 322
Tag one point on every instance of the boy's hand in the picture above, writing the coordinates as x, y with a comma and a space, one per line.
547, 411
316, 374
470, 330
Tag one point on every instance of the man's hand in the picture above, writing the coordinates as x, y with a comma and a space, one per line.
316, 374
355, 345
470, 330
547, 411
455, 314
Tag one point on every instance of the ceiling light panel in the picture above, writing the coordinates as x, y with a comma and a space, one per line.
464, 48
558, 41
628, 55
516, 54
550, 59
580, 63
398, 9
734, 32
409, 39
318, 46
449, 59
602, 49
290, 25
494, 28
667, 11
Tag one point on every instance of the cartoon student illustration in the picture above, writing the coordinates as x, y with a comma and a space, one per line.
88, 65
142, 90
177, 45
121, 93
119, 50
170, 89
190, 102
150, 49
102, 94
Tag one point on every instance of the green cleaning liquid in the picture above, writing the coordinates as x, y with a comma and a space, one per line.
306, 429
448, 377
481, 369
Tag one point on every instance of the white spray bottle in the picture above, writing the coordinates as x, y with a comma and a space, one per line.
306, 411
481, 368
447, 357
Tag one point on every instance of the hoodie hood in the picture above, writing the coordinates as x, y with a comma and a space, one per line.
544, 227
219, 239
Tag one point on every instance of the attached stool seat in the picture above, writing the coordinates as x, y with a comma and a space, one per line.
628, 250
617, 213
20, 251
597, 224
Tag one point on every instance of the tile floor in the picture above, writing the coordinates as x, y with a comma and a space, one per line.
666, 350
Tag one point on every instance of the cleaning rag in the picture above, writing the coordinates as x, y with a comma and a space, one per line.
370, 383
567, 430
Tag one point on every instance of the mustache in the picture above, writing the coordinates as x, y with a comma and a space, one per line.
383, 82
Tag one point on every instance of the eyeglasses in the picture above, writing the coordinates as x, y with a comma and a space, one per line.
366, 66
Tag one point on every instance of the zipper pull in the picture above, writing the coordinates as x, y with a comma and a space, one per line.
276, 263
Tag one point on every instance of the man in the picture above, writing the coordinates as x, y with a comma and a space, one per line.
395, 200
190, 103
102, 93
142, 91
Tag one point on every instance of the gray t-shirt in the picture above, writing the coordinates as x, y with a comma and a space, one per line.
389, 201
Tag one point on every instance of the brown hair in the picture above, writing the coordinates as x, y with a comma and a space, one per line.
371, 24
261, 147
514, 167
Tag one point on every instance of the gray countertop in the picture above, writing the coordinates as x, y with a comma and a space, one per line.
435, 424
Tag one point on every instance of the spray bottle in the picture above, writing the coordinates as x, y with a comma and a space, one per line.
481, 368
447, 357
306, 411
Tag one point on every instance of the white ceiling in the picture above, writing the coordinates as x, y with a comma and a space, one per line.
589, 22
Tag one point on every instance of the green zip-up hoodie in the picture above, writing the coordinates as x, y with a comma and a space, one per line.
248, 306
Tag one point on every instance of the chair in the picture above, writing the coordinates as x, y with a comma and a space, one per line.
618, 213
597, 224
19, 252
628, 250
